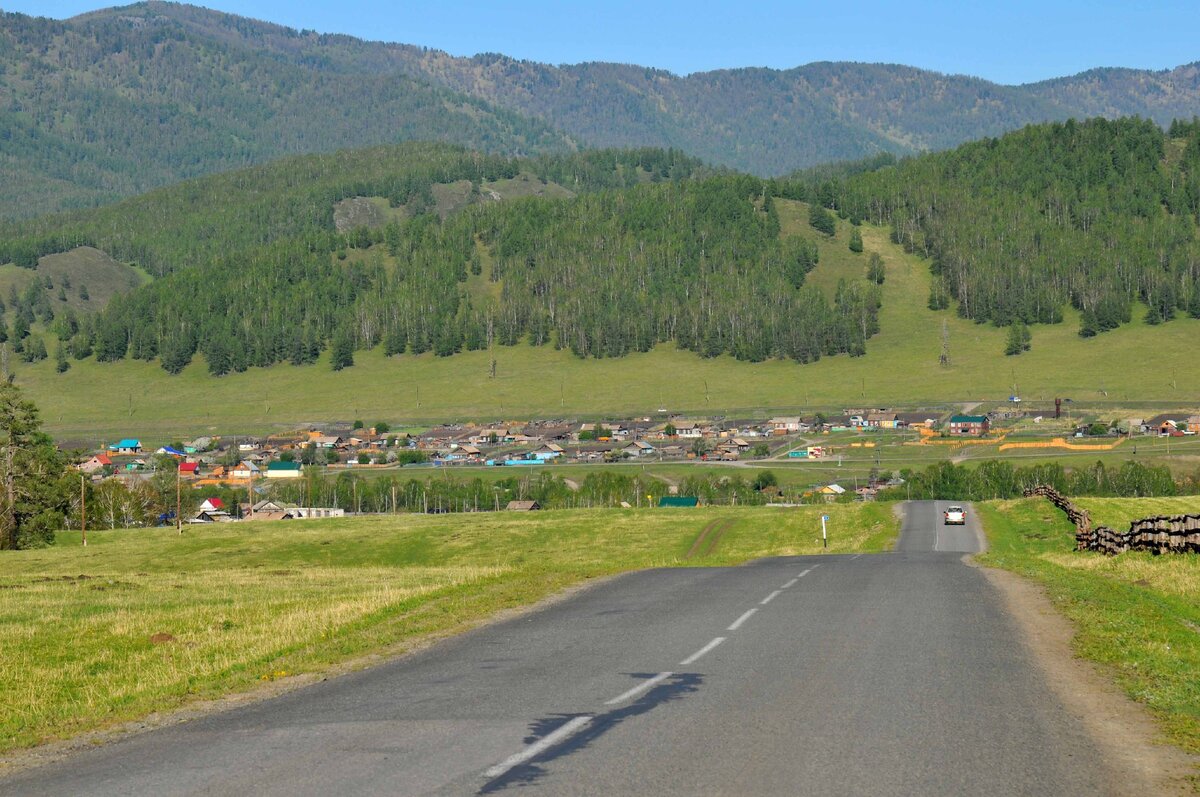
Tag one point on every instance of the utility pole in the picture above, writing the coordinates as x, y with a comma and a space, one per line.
178, 500
944, 360
83, 507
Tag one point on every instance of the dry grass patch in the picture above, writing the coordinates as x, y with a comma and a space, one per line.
126, 642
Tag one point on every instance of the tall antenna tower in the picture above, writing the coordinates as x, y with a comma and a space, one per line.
944, 360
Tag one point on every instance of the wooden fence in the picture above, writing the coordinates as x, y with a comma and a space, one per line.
1159, 534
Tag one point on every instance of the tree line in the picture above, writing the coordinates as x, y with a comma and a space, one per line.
1096, 215
654, 248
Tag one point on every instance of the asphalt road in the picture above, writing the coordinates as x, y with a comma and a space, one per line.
886, 674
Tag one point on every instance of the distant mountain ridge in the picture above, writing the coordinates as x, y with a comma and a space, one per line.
116, 101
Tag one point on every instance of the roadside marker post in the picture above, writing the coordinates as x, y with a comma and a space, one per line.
824, 532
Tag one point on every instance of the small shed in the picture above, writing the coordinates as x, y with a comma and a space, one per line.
522, 506
678, 501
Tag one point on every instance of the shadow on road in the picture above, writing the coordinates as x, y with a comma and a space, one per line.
676, 687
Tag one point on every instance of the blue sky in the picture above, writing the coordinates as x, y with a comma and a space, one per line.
1007, 41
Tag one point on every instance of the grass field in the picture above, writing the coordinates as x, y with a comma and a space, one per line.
1136, 614
247, 602
1136, 363
1118, 513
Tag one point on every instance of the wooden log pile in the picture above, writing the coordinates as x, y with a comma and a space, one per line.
1159, 534
1077, 515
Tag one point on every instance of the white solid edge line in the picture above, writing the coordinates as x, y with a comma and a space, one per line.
644, 686
769, 598
538, 747
738, 622
791, 583
716, 641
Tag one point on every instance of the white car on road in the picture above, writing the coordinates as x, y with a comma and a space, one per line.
956, 516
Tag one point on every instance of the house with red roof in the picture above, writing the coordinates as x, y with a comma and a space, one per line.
96, 464
212, 505
189, 468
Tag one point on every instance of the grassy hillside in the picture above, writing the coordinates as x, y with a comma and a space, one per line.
84, 271
1135, 363
234, 606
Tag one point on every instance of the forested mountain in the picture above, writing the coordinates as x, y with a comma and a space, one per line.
112, 104
644, 246
631, 248
117, 101
1096, 215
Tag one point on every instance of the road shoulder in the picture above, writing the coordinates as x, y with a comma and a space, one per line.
1138, 762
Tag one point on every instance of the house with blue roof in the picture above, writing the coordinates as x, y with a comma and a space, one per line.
127, 446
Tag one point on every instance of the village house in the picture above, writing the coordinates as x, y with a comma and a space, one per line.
968, 425
831, 492
638, 448
548, 451
726, 453
487, 437
127, 446
1165, 423
785, 425
306, 512
96, 464
883, 420
207, 516
189, 468
212, 505
245, 470
914, 420
284, 470
522, 506
686, 430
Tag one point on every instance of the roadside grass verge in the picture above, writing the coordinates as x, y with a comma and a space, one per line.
147, 620
1136, 614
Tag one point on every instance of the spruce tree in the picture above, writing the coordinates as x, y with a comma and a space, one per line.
342, 351
856, 242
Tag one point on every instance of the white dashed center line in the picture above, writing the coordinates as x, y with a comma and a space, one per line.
644, 686
695, 656
738, 622
537, 748
805, 573
769, 598
790, 584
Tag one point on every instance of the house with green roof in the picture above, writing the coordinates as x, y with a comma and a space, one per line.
283, 470
969, 425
